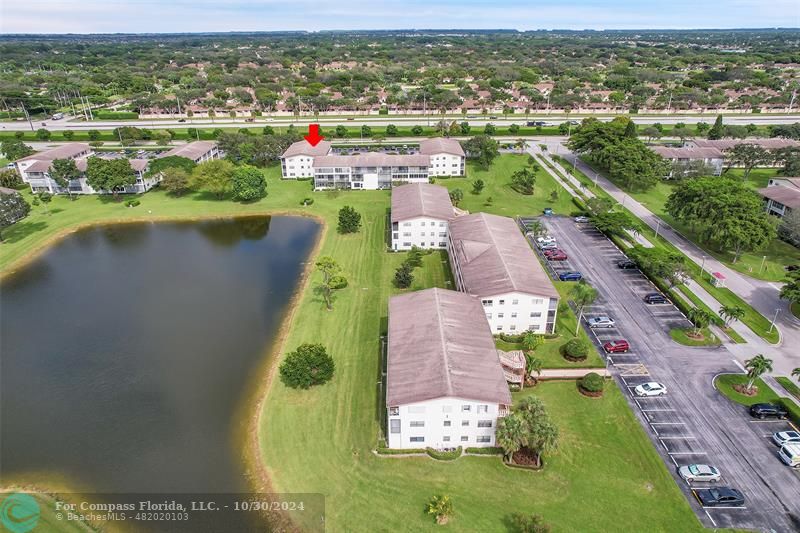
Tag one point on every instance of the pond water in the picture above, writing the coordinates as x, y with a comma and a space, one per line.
127, 351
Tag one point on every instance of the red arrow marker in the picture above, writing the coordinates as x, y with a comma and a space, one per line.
313, 136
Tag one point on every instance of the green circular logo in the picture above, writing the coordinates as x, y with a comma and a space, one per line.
19, 512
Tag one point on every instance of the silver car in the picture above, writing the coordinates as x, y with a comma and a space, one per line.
601, 322
699, 473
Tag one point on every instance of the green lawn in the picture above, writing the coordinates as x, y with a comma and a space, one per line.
725, 383
681, 336
320, 440
789, 386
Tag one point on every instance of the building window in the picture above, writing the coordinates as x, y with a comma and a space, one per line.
514, 302
502, 302
406, 244
395, 425
483, 438
513, 315
417, 424
394, 411
499, 328
417, 439
483, 408
533, 327
537, 301
484, 423
512, 327
466, 408
487, 303
448, 423
500, 315
441, 224
464, 438
446, 438
406, 223
536, 314
464, 423
422, 223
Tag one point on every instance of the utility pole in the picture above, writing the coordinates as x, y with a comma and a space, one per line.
27, 116
791, 102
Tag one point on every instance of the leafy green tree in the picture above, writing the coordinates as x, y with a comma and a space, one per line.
756, 367
477, 186
349, 220
13, 208
630, 130
414, 257
404, 276
308, 365
15, 149
391, 130
510, 434
94, 135
482, 149
513, 129
175, 181
456, 195
716, 130
529, 523
789, 158
43, 134
248, 184
723, 212
747, 156
9, 178
521, 144
489, 129
541, 435
109, 175
341, 131
45, 198
332, 279
68, 135
366, 131
464, 128
615, 223
417, 130
530, 341
651, 133
582, 295
661, 263
173, 161
268, 130
599, 205
214, 176
523, 180
791, 290
731, 314
62, 171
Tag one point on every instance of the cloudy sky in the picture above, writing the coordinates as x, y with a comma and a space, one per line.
143, 16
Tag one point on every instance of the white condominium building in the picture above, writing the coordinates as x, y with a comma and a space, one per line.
445, 386
447, 158
420, 216
492, 260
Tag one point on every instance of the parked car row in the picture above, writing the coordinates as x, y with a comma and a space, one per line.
550, 250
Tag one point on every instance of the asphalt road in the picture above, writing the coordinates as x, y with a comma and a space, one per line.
693, 423
66, 124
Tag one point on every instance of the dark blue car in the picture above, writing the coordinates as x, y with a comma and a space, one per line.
570, 276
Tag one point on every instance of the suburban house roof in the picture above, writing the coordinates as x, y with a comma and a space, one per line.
495, 258
65, 151
421, 200
788, 196
727, 144
793, 183
193, 150
439, 145
372, 159
304, 148
688, 152
440, 345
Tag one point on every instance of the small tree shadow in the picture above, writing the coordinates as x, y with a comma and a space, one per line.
22, 230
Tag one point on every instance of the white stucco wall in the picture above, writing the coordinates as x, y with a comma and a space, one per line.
433, 415
423, 232
443, 164
298, 166
516, 312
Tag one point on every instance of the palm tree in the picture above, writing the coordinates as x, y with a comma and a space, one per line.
700, 318
521, 144
537, 228
582, 294
510, 434
533, 365
756, 367
731, 314
796, 373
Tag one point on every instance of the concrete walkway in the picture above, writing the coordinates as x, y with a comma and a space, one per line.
571, 373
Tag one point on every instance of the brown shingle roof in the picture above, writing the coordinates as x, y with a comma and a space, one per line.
193, 150
440, 345
495, 258
65, 151
372, 160
439, 145
304, 148
788, 196
688, 152
421, 200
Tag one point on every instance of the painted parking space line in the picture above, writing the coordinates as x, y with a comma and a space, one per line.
658, 410
667, 423
678, 437
709, 517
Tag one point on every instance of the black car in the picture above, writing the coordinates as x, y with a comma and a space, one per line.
768, 410
655, 298
719, 497
626, 264
534, 123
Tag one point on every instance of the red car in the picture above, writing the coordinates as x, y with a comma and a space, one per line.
618, 346
561, 256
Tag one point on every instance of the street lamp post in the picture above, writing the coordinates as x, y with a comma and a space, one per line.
703, 267
772, 325
762, 264
658, 226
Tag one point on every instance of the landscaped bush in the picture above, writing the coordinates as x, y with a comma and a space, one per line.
397, 451
513, 339
575, 350
492, 450
444, 455
114, 115
592, 384
794, 411
307, 201
338, 282
308, 365
532, 523
132, 203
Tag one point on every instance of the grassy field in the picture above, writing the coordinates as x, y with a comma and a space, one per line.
789, 386
320, 440
681, 336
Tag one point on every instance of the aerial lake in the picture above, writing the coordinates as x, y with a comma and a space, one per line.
127, 351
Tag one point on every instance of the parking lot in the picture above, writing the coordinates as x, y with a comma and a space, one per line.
692, 423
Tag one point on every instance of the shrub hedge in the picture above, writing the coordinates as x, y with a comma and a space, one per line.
396, 451
592, 383
575, 350
444, 456
492, 450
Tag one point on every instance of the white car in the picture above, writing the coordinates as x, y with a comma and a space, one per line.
699, 473
601, 322
786, 437
650, 388
581, 218
545, 240
548, 245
